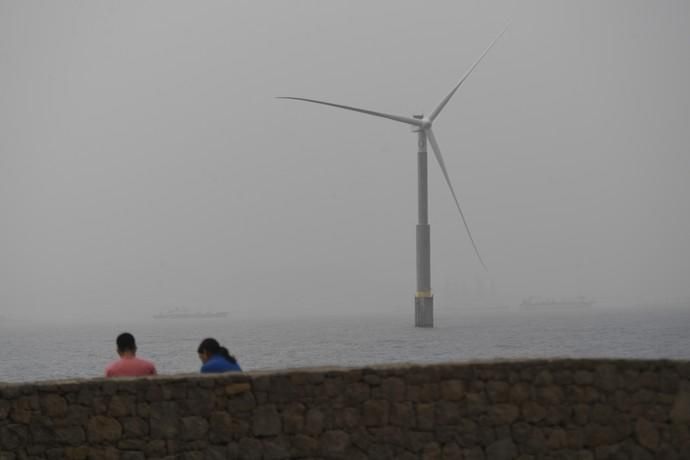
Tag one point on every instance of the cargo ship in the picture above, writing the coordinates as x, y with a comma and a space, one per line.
187, 314
556, 304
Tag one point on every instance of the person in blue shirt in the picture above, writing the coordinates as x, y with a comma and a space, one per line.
215, 358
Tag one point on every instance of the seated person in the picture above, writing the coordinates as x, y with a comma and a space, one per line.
215, 358
128, 365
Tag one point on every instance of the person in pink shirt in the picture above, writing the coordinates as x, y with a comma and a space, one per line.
128, 365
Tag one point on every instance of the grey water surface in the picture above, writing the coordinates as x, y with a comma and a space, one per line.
40, 351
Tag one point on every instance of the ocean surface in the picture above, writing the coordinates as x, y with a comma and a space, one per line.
32, 351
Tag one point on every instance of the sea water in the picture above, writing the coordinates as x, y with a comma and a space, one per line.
38, 351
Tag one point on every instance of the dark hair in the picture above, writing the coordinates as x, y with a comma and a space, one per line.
212, 347
125, 342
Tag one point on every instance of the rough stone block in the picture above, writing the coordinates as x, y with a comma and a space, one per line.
446, 413
42, 429
334, 443
54, 405
452, 390
680, 412
583, 377
245, 402
381, 451
601, 413
174, 391
76, 415
293, 418
103, 453
237, 388
503, 449
5, 407
429, 392
574, 438
361, 438
583, 394
649, 379
13, 436
71, 435
134, 427
393, 389
451, 451
217, 453
375, 413
221, 427
104, 429
332, 387
535, 442
155, 448
314, 422
544, 377
132, 444
303, 445
130, 455
519, 392
533, 411
250, 449
597, 435
266, 421
164, 420
154, 393
121, 406
550, 394
416, 440
425, 416
503, 414
647, 434
194, 428
76, 453
432, 451
606, 377
371, 378
390, 435
144, 409
498, 392
467, 432
21, 410
276, 448
402, 414
555, 438
347, 417
357, 392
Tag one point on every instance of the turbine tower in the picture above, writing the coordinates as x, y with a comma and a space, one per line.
424, 299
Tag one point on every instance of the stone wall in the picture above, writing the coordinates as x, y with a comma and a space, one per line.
543, 409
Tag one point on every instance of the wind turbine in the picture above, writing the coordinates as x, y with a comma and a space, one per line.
424, 299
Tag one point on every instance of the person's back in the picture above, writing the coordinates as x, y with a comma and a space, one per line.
128, 365
216, 359
217, 364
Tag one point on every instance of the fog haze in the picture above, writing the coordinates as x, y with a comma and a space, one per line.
145, 163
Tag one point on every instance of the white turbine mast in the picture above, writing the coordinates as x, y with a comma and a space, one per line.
422, 125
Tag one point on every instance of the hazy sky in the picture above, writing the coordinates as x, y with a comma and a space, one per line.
145, 163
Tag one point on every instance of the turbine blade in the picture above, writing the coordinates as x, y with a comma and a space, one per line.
445, 100
441, 163
402, 119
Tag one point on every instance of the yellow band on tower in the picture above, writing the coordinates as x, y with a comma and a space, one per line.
423, 294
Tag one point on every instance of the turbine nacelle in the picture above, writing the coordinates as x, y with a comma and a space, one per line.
423, 125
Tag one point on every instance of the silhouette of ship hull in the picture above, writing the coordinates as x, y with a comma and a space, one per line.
553, 304
178, 314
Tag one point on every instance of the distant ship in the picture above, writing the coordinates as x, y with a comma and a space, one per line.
556, 304
187, 314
